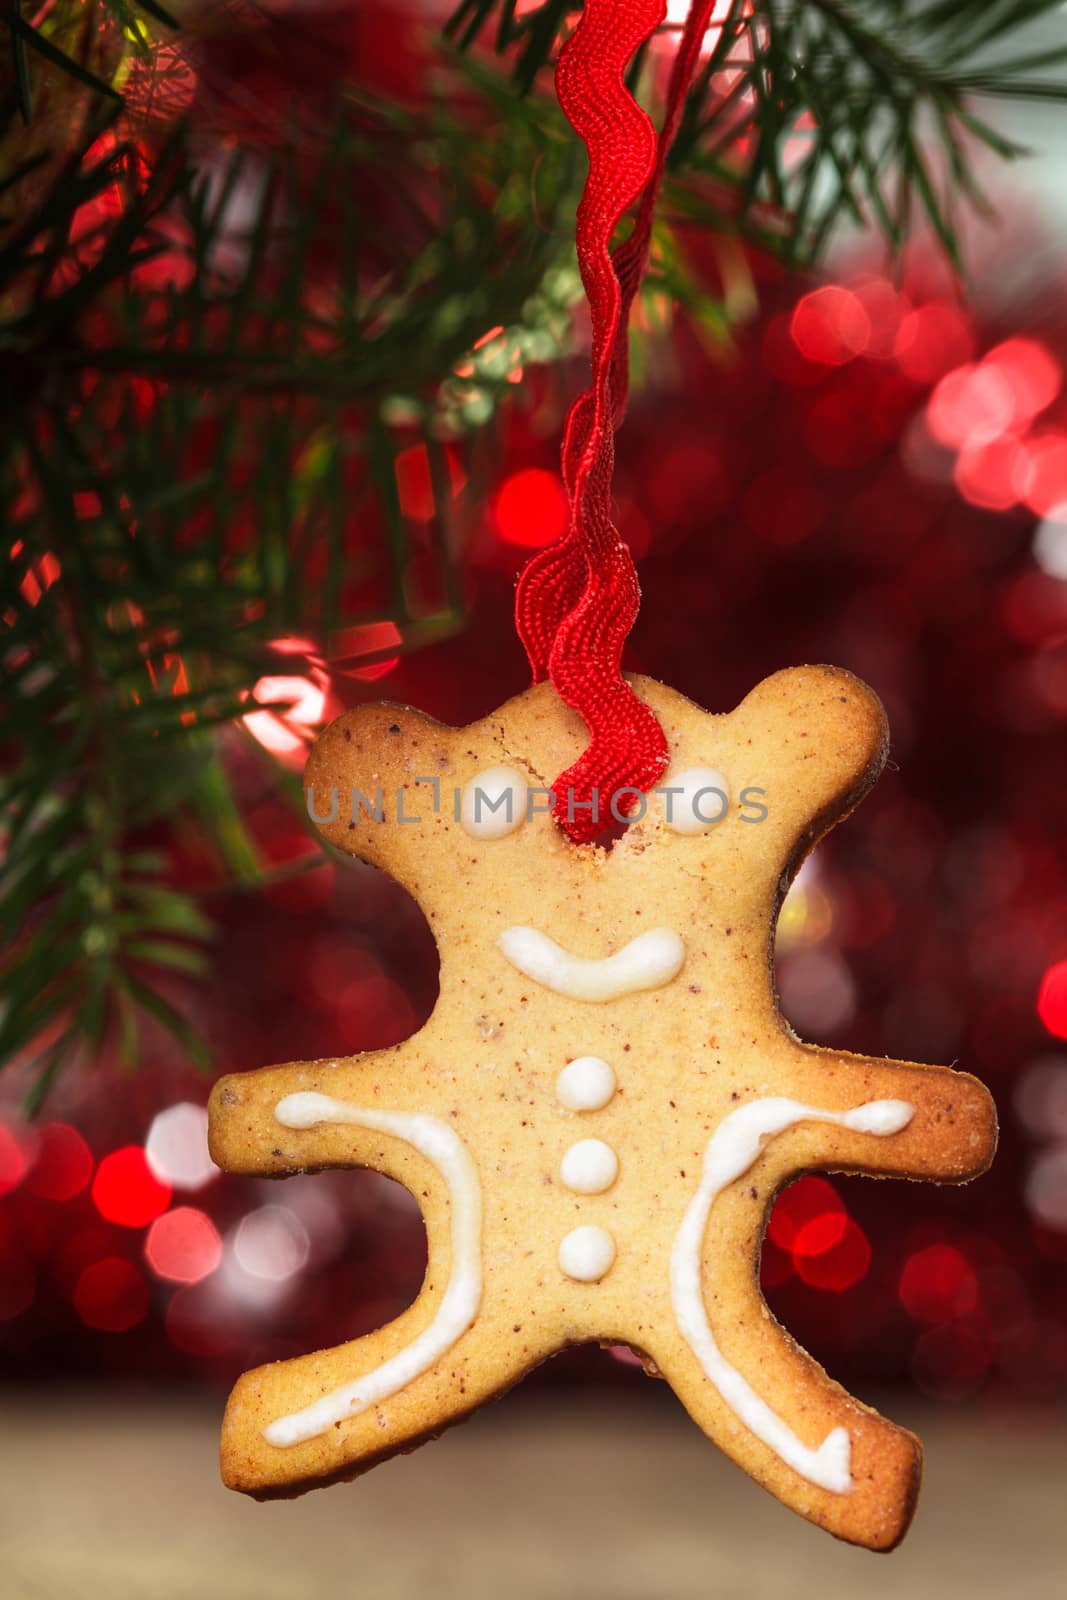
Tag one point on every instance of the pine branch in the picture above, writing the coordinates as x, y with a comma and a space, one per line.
856, 89
169, 380
26, 39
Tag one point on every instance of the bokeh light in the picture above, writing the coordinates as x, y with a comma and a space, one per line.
1043, 474
12, 1161
127, 1191
271, 1243
1041, 1098
111, 1295
1046, 1189
1052, 1000
177, 1150
830, 1259
530, 508
938, 1283
809, 1200
1050, 542
971, 406
183, 1245
831, 325
933, 339
64, 1163
816, 988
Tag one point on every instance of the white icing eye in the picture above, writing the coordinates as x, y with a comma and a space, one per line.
494, 803
587, 1253
695, 800
589, 1167
586, 1084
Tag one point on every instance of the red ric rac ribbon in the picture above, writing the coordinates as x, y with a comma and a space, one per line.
577, 599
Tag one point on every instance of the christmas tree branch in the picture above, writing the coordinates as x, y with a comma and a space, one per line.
810, 112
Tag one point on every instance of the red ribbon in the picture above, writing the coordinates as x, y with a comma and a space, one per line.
577, 600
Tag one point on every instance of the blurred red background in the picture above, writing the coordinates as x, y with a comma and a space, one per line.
874, 475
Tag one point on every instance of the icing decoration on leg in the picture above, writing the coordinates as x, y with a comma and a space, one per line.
457, 1310
731, 1150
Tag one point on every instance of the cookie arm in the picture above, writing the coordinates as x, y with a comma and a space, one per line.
951, 1136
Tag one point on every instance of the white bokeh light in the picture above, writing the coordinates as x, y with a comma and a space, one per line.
816, 989
272, 1243
176, 1148
1041, 1098
1046, 1189
1050, 543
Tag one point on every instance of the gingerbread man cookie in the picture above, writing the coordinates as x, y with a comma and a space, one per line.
599, 1113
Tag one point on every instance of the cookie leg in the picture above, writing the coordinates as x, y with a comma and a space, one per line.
333, 1414
280, 1401
776, 1413
737, 1371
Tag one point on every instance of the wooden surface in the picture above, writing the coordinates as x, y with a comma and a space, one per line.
610, 1497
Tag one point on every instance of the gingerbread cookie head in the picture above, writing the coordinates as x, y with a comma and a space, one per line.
605, 1101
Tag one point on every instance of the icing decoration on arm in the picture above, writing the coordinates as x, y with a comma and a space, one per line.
587, 1254
696, 800
459, 1305
647, 962
731, 1150
585, 1084
494, 803
589, 1167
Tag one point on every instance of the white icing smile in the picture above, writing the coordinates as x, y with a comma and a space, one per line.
463, 1294
647, 962
732, 1149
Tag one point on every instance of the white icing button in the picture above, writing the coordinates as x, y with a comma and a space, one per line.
589, 1167
586, 1084
703, 801
587, 1253
494, 803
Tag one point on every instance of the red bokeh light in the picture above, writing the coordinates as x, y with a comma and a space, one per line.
1043, 474
127, 1191
352, 645
373, 1013
937, 1284
530, 508
63, 1166
1052, 1000
831, 326
1031, 372
814, 1238
807, 1200
988, 474
111, 1295
836, 1267
932, 340
12, 1162
183, 1245
971, 405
